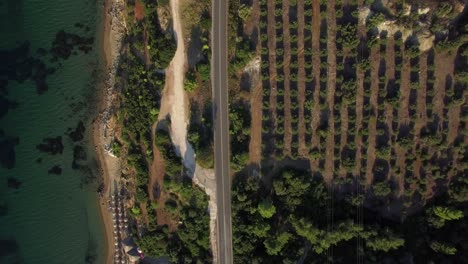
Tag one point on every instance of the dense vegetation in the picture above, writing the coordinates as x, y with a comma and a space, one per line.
295, 216
147, 50
196, 16
241, 51
372, 119
186, 204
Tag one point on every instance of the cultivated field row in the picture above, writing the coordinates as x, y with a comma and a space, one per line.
359, 102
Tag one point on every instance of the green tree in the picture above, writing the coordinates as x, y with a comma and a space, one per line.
443, 248
447, 213
266, 208
275, 243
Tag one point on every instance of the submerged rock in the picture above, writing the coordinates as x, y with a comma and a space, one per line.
57, 170
7, 151
79, 155
14, 183
3, 208
18, 65
8, 247
77, 135
64, 44
52, 146
6, 105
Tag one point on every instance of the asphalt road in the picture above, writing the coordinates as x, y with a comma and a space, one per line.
221, 132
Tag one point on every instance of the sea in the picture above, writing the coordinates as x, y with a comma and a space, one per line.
50, 75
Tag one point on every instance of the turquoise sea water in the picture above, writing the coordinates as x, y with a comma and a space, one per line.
50, 218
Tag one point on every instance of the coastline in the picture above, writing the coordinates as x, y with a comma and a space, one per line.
112, 29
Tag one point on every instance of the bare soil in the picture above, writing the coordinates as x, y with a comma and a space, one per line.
287, 72
272, 60
139, 10
375, 61
331, 85
316, 74
303, 151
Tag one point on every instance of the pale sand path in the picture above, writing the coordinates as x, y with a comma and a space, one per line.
174, 103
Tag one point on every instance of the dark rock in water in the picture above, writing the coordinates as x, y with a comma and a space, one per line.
77, 135
8, 247
41, 52
7, 151
14, 183
6, 105
79, 25
39, 160
18, 65
3, 86
3, 209
64, 44
52, 146
79, 155
57, 170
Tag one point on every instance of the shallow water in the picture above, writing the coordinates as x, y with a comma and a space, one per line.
50, 218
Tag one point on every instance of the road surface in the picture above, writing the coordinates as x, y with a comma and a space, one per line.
221, 131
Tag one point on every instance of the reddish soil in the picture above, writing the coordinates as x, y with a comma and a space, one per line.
359, 118
287, 88
403, 114
271, 31
255, 146
301, 79
331, 85
156, 181
316, 71
390, 75
421, 116
444, 64
254, 19
359, 106
139, 10
375, 60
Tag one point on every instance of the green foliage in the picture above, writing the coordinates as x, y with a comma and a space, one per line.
443, 248
135, 211
381, 189
447, 213
274, 244
173, 162
244, 12
190, 82
385, 242
162, 45
116, 148
266, 208
204, 71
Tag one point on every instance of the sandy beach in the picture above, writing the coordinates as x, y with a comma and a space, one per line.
112, 28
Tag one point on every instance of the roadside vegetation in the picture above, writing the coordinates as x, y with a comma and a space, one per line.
363, 142
196, 18
169, 218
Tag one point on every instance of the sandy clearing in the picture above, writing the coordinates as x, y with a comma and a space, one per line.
175, 103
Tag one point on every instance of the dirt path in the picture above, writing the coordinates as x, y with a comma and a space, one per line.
331, 85
316, 74
287, 72
256, 96
375, 60
174, 103
301, 78
255, 145
403, 114
390, 75
272, 67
